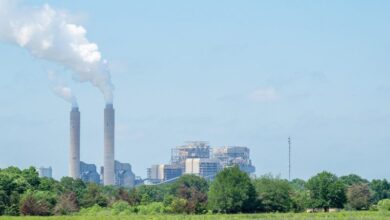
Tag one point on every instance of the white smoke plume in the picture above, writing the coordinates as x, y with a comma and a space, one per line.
61, 89
52, 35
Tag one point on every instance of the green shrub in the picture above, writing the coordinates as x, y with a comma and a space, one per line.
384, 205
178, 205
123, 208
93, 210
37, 203
153, 208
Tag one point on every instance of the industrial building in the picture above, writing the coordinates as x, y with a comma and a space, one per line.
234, 156
197, 158
155, 174
124, 176
163, 172
88, 173
193, 149
204, 167
45, 172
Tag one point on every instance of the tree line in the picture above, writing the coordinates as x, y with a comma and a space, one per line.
23, 192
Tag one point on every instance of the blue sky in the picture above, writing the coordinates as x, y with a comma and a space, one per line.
229, 72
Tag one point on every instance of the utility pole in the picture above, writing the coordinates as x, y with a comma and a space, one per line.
289, 158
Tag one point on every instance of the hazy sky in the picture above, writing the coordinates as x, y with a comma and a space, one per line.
229, 72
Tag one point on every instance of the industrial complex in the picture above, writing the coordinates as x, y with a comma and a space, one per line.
198, 158
194, 157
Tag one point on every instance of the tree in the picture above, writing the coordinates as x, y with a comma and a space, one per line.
358, 196
92, 196
300, 200
232, 191
149, 194
134, 197
381, 190
353, 179
122, 195
66, 204
49, 184
326, 191
274, 194
300, 196
193, 189
298, 184
13, 183
34, 203
68, 184
31, 176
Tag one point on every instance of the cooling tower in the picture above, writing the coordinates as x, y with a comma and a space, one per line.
109, 145
74, 148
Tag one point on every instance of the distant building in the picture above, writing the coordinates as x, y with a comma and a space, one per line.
45, 172
234, 156
203, 167
88, 173
193, 149
155, 174
124, 176
172, 171
196, 157
163, 172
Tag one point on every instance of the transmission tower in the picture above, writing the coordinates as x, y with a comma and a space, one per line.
289, 158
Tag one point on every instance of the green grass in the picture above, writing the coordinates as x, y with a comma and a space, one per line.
276, 216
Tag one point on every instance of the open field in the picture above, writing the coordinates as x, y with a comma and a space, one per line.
340, 215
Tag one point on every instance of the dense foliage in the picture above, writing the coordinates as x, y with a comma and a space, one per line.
232, 191
326, 191
274, 194
22, 192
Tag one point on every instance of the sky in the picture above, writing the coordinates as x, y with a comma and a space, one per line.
248, 73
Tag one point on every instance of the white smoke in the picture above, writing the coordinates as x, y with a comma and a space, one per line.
61, 89
51, 35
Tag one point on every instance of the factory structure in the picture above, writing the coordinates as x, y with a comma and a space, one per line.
74, 148
198, 158
234, 156
195, 157
88, 173
109, 145
45, 172
112, 172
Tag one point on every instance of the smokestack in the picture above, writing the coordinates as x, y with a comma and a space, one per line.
74, 148
109, 145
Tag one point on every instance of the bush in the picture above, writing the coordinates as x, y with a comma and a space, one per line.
30, 205
94, 211
179, 205
122, 208
384, 205
153, 208
66, 204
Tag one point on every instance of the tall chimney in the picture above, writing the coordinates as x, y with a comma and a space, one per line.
74, 148
109, 145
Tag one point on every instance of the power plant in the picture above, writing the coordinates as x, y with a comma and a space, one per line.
87, 172
109, 145
74, 148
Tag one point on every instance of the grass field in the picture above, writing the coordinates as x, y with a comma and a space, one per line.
303, 216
